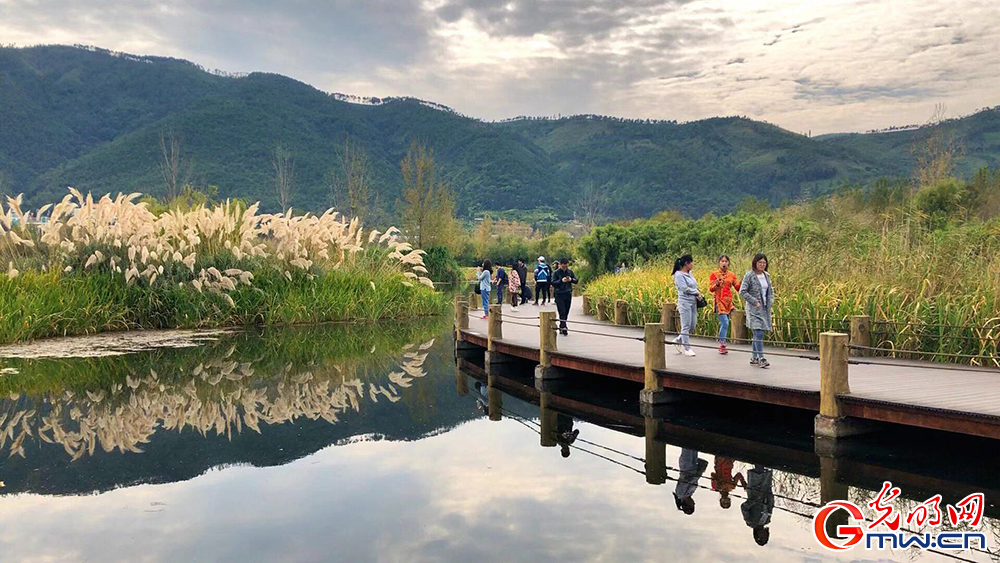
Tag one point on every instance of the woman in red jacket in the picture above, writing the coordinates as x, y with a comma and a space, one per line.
723, 283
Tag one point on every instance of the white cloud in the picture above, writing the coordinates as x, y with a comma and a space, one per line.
822, 65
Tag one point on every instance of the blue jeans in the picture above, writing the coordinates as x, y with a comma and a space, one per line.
486, 302
723, 327
757, 348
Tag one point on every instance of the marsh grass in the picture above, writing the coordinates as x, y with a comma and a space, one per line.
929, 288
85, 266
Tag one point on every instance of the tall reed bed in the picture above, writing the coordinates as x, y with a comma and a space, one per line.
86, 265
910, 312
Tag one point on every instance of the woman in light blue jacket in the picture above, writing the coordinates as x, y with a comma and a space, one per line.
687, 302
485, 277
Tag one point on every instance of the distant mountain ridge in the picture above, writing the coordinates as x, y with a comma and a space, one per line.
91, 118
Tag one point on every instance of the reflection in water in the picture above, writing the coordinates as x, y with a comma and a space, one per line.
222, 388
417, 466
760, 502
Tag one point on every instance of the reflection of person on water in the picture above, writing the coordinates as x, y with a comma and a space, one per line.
565, 434
723, 480
482, 401
760, 503
692, 468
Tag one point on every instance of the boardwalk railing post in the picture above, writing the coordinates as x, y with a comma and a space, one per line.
656, 454
667, 313
586, 305
654, 358
494, 332
621, 312
738, 322
833, 381
494, 329
602, 308
461, 316
861, 333
546, 344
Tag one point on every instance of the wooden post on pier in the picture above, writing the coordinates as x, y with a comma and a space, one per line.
667, 313
621, 312
494, 330
461, 316
861, 334
656, 454
474, 301
602, 308
654, 358
833, 381
738, 327
546, 344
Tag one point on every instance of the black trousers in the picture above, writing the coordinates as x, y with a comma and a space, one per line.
542, 291
563, 302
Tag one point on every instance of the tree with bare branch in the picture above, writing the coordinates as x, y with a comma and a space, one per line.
591, 203
173, 171
937, 152
284, 174
351, 185
428, 206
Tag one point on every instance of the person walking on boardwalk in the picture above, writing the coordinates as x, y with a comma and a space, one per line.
759, 505
485, 274
563, 280
542, 274
721, 283
515, 287
522, 272
500, 279
757, 292
687, 302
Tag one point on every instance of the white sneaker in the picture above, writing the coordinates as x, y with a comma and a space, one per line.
513, 309
677, 344
689, 353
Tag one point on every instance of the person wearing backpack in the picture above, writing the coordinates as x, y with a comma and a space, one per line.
543, 274
501, 280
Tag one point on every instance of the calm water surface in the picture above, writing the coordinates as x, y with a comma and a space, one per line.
352, 443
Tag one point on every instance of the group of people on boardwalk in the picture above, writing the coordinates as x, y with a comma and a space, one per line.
755, 289
555, 285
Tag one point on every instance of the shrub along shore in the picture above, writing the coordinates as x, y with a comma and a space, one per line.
85, 266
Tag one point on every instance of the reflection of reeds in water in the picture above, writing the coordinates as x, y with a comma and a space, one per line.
221, 395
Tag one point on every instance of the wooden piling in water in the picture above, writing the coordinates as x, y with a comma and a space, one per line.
621, 312
546, 337
654, 357
833, 381
494, 330
656, 454
461, 316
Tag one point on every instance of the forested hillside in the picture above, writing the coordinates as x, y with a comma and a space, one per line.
93, 119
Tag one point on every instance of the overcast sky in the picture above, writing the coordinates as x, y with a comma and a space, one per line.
824, 66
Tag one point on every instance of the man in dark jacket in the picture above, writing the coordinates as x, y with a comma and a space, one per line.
562, 282
522, 273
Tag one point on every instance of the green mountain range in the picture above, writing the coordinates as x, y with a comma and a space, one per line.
92, 119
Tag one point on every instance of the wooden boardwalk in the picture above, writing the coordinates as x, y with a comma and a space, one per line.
938, 396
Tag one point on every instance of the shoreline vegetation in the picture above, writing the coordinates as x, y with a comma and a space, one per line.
84, 266
924, 263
